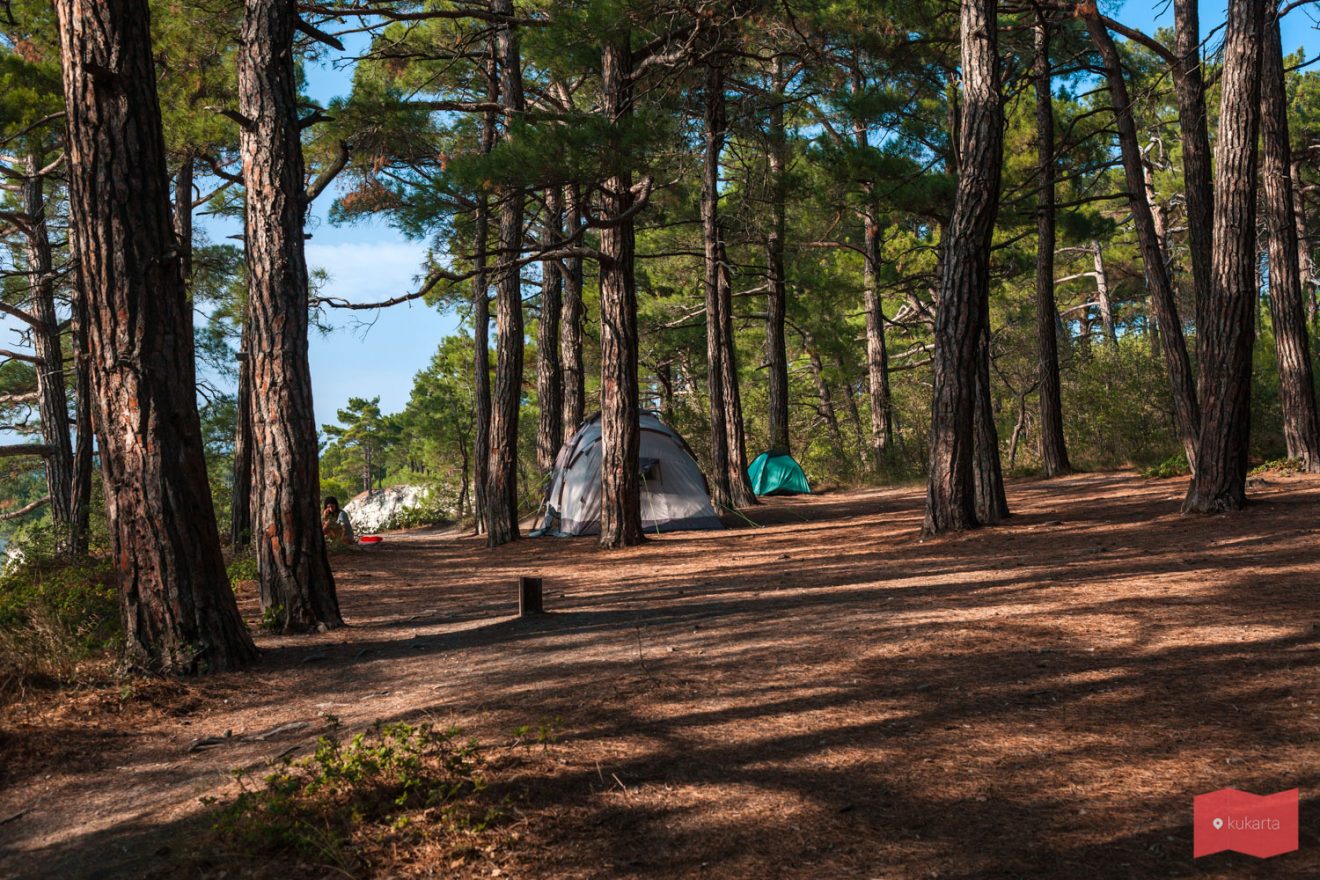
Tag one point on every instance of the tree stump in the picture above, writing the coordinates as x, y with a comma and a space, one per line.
530, 597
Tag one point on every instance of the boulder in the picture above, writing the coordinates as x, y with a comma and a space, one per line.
371, 511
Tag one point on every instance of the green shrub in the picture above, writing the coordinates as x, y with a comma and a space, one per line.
53, 616
1173, 466
431, 512
242, 568
1279, 466
373, 787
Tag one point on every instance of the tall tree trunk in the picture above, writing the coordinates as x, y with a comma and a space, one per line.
80, 503
183, 218
776, 351
1193, 127
179, 613
292, 564
850, 401
502, 491
1304, 262
570, 326
621, 493
549, 373
481, 314
877, 355
739, 481
1301, 426
826, 409
1102, 294
1220, 480
664, 374
1165, 306
240, 508
52, 394
1053, 449
991, 500
714, 131
965, 281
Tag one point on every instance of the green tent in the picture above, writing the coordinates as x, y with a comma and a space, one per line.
776, 473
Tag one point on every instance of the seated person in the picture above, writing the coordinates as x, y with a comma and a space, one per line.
335, 523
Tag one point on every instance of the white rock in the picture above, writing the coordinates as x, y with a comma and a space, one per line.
370, 511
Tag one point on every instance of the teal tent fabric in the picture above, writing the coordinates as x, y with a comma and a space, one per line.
775, 474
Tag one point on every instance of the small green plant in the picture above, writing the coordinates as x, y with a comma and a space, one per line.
1173, 466
243, 568
543, 735
384, 783
272, 618
1279, 466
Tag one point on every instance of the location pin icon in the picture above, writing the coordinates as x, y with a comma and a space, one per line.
1218, 823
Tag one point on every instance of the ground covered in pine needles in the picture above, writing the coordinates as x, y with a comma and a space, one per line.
821, 696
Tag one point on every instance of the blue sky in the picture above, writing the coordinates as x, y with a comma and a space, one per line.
370, 261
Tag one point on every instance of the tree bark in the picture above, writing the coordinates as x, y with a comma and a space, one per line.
991, 500
827, 410
1304, 262
52, 393
240, 507
481, 313
713, 125
183, 218
292, 564
1301, 426
1172, 342
1193, 127
877, 355
549, 372
1225, 351
776, 350
1053, 448
80, 503
570, 326
965, 280
739, 480
502, 489
179, 613
1102, 294
621, 499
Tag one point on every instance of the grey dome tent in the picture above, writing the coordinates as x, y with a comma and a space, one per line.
675, 496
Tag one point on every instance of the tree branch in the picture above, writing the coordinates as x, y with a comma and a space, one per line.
26, 449
26, 508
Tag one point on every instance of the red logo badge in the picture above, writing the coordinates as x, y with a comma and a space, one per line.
1258, 825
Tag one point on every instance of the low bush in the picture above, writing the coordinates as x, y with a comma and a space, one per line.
1173, 466
242, 568
1279, 466
55, 614
389, 786
431, 512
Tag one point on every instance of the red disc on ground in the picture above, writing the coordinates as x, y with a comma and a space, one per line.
369, 539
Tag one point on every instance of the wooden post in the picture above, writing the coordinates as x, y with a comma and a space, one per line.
529, 597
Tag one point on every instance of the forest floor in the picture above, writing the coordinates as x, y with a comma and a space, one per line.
823, 696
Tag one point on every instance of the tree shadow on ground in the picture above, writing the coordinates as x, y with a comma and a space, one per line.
1038, 700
